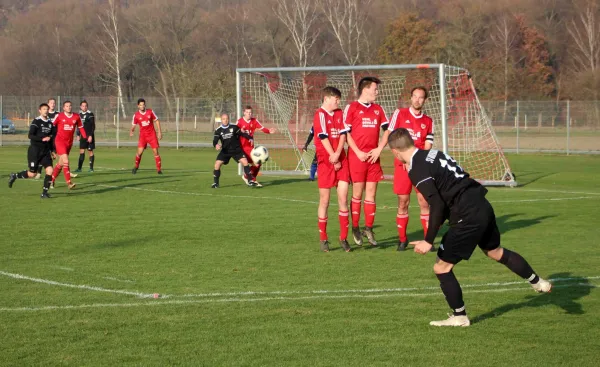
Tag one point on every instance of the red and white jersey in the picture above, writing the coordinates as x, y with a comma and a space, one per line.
420, 126
363, 121
329, 125
249, 127
146, 121
66, 125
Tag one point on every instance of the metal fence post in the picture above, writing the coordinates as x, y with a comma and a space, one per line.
177, 123
118, 122
568, 124
1, 118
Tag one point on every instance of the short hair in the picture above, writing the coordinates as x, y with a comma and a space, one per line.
43, 105
331, 92
51, 99
141, 100
67, 101
366, 83
224, 114
82, 102
420, 88
248, 108
400, 139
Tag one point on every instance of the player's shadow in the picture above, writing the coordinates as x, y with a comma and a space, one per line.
94, 190
528, 178
286, 181
566, 290
505, 223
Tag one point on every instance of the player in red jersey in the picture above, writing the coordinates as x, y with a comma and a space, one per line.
364, 119
420, 127
146, 118
65, 124
332, 164
249, 125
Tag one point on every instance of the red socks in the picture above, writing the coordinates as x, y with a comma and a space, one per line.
138, 159
67, 174
56, 172
425, 223
323, 229
157, 160
254, 170
402, 223
370, 208
344, 223
355, 208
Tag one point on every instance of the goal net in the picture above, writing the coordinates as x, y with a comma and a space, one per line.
287, 98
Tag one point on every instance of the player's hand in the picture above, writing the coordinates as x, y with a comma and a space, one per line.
273, 130
77, 137
159, 135
374, 155
130, 132
362, 156
421, 247
337, 166
405, 167
334, 158
218, 147
90, 139
53, 154
47, 138
304, 148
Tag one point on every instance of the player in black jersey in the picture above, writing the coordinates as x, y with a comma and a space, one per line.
230, 147
51, 115
89, 125
313, 165
453, 195
41, 131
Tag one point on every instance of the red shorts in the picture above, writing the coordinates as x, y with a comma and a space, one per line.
402, 183
148, 139
63, 147
364, 171
328, 177
247, 150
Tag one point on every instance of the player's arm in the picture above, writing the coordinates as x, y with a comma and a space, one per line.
132, 126
33, 129
310, 137
158, 130
352, 144
264, 129
375, 153
79, 125
437, 207
340, 147
216, 139
92, 123
429, 138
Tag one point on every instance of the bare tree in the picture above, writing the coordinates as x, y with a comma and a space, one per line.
111, 49
586, 35
504, 36
347, 20
299, 17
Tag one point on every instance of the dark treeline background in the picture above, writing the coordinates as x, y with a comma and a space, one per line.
515, 49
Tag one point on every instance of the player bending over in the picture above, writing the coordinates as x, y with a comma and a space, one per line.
313, 165
65, 123
420, 127
148, 135
364, 119
249, 125
453, 195
332, 164
39, 152
89, 125
229, 135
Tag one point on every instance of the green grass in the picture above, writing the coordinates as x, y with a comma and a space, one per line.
175, 236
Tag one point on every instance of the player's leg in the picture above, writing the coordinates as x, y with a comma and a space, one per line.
342, 193
355, 207
370, 209
92, 156
81, 156
142, 143
402, 188
65, 168
247, 150
47, 164
424, 207
453, 294
313, 168
32, 165
217, 173
324, 194
251, 180
61, 150
154, 146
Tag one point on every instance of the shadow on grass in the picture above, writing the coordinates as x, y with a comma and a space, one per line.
528, 178
505, 224
94, 189
564, 295
286, 181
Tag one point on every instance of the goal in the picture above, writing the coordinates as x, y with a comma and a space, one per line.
286, 98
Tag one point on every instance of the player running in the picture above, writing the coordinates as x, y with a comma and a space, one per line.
41, 131
229, 136
332, 164
365, 118
453, 195
249, 125
52, 113
148, 135
89, 125
65, 123
420, 127
313, 165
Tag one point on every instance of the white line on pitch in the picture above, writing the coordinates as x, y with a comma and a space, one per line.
78, 286
267, 299
559, 191
373, 290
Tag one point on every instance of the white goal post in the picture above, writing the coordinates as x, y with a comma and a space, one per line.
286, 98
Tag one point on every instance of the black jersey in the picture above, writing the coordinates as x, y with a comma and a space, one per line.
52, 115
39, 129
89, 122
229, 136
310, 137
441, 181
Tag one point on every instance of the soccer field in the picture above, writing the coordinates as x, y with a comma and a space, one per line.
242, 281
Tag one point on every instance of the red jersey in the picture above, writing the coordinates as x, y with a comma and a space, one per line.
364, 121
331, 126
65, 127
249, 127
146, 121
420, 126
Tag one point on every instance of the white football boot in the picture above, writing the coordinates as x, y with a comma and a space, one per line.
452, 321
543, 286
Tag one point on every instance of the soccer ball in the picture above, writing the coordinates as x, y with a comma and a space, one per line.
259, 154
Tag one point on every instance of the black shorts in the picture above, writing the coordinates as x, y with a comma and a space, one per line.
472, 224
83, 143
226, 156
38, 157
